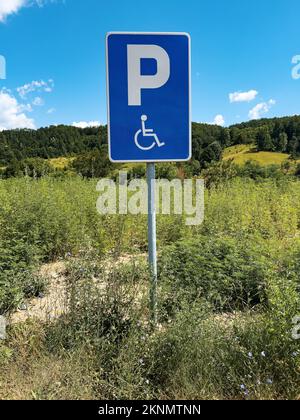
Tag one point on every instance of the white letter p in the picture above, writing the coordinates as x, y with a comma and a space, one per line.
136, 81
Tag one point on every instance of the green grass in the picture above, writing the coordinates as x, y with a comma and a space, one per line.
243, 153
232, 151
61, 162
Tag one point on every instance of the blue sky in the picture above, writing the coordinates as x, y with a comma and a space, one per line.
55, 56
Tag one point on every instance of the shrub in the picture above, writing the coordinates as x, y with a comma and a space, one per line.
166, 171
16, 285
228, 274
137, 172
219, 172
255, 171
17, 262
101, 302
94, 164
32, 167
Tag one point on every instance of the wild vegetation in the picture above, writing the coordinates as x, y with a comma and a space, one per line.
228, 292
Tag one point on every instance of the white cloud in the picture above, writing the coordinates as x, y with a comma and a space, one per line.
35, 86
42, 3
7, 7
85, 124
219, 120
260, 109
12, 114
51, 111
243, 96
38, 101
25, 108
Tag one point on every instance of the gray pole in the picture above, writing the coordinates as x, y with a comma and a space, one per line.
152, 240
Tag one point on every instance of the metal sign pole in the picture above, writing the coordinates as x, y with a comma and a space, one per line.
152, 240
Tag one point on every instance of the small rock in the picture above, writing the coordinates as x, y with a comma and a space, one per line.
41, 295
23, 307
3, 324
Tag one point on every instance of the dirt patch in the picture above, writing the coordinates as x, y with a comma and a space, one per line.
53, 304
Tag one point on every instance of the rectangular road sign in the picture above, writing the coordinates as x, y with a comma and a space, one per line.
149, 97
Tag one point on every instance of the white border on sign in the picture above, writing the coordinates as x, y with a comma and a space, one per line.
190, 98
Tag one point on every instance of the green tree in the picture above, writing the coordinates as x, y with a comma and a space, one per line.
282, 142
263, 140
93, 164
226, 138
293, 147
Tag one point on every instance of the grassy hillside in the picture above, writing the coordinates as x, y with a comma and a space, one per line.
242, 153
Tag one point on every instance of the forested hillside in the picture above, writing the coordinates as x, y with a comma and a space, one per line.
51, 142
277, 134
209, 141
62, 140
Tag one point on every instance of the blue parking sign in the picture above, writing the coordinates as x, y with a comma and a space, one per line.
149, 97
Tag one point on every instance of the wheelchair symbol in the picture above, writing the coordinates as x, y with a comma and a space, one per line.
147, 133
